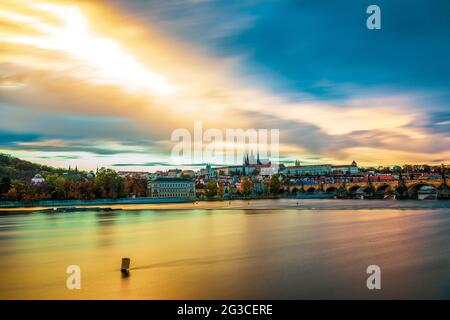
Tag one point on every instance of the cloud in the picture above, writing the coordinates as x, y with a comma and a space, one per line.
120, 85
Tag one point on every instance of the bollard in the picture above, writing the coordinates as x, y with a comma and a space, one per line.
125, 268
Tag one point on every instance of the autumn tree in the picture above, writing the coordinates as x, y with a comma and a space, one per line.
5, 186
246, 186
134, 186
108, 184
211, 189
274, 184
220, 190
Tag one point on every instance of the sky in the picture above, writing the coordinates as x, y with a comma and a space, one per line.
106, 83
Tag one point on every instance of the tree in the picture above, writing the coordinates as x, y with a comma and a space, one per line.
220, 190
133, 186
274, 184
211, 189
5, 185
11, 195
232, 191
108, 184
246, 186
286, 182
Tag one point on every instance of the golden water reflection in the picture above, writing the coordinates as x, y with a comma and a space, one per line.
235, 253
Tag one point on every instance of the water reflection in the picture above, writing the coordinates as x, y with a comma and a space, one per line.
234, 253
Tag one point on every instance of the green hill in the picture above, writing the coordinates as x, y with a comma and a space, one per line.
15, 168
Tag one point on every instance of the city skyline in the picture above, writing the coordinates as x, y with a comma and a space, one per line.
79, 90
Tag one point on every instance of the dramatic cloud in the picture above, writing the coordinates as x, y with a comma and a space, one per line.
78, 89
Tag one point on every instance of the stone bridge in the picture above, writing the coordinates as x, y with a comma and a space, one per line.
380, 187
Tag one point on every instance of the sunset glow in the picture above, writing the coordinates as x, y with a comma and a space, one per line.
86, 79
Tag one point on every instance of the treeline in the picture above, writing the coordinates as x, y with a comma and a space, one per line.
409, 169
63, 184
17, 169
271, 187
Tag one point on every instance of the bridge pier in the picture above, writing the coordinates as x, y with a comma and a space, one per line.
443, 192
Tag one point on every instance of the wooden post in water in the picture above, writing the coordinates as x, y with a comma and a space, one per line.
125, 268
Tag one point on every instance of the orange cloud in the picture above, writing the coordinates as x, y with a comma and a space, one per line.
59, 56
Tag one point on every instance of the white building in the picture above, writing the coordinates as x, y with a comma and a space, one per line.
346, 169
178, 188
268, 170
38, 179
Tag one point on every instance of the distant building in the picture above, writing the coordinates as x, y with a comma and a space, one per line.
268, 169
154, 175
308, 170
223, 171
179, 188
346, 169
235, 170
208, 172
133, 174
38, 179
188, 174
251, 165
174, 173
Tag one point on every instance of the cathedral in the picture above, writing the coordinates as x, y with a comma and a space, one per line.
250, 163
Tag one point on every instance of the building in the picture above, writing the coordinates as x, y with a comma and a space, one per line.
235, 170
268, 169
188, 174
178, 188
308, 170
155, 175
252, 165
208, 172
174, 173
38, 180
346, 169
223, 171
132, 174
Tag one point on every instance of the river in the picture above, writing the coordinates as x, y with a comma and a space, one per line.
265, 249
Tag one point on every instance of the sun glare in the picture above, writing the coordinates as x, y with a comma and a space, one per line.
102, 60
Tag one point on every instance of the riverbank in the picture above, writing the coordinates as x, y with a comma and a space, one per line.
104, 202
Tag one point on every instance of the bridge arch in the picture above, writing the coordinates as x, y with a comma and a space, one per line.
364, 189
310, 189
383, 188
413, 189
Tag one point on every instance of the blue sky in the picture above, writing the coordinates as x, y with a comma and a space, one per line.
321, 47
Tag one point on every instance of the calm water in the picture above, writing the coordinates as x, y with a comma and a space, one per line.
265, 249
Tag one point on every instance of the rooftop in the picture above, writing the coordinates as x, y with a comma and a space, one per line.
174, 179
310, 166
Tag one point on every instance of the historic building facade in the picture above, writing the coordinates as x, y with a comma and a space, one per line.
178, 188
308, 170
